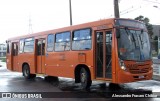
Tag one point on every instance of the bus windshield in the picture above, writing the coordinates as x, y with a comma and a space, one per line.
133, 45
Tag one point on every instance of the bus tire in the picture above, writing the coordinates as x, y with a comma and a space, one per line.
26, 72
85, 79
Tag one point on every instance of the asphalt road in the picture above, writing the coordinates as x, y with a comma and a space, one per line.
64, 89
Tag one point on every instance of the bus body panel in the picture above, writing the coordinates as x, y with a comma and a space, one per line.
144, 70
9, 62
64, 63
15, 63
27, 58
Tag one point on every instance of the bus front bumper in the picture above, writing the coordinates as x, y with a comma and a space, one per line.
127, 77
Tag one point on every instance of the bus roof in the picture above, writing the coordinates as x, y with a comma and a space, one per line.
109, 21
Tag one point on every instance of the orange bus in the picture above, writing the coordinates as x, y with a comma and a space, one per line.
112, 50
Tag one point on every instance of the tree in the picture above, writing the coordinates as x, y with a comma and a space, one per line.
156, 37
148, 25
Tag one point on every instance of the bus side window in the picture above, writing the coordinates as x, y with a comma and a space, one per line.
29, 45
21, 46
81, 39
50, 42
62, 41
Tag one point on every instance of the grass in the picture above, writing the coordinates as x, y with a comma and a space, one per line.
3, 59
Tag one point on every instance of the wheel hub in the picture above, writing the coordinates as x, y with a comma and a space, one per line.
26, 72
83, 77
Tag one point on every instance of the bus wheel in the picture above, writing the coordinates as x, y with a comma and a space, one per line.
26, 72
85, 79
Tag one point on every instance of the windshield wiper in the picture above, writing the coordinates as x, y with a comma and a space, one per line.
141, 38
134, 41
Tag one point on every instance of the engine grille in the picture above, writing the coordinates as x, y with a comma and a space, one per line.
137, 69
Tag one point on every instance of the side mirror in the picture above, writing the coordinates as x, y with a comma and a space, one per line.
117, 33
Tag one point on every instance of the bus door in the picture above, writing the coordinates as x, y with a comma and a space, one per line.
15, 56
40, 56
103, 54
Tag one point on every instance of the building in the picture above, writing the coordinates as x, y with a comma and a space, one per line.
3, 49
155, 43
156, 31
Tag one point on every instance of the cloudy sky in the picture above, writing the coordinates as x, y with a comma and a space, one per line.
51, 14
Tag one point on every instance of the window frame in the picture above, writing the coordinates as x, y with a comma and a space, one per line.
21, 51
33, 39
61, 33
70, 40
91, 38
53, 43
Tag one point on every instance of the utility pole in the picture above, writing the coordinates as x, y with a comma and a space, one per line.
70, 9
116, 9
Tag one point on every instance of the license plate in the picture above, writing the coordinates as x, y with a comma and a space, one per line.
141, 77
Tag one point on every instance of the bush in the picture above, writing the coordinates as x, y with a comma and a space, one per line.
3, 59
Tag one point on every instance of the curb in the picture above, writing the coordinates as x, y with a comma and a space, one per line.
156, 77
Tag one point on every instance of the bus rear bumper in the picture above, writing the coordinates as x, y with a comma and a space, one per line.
127, 77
